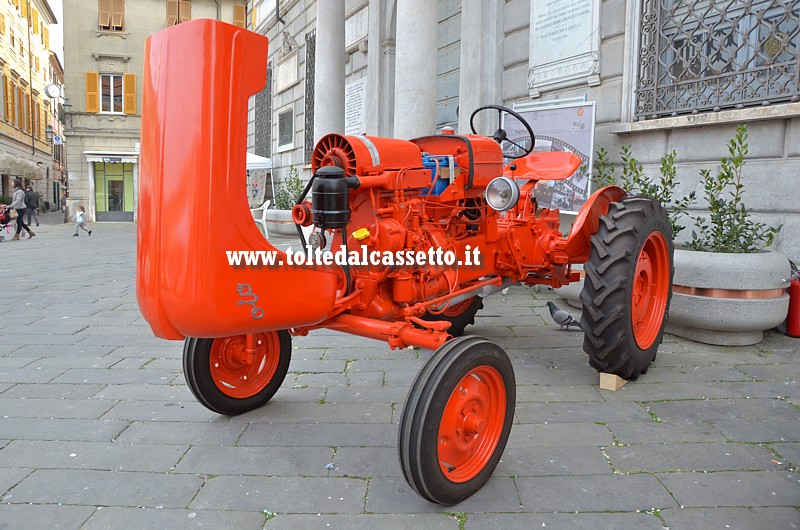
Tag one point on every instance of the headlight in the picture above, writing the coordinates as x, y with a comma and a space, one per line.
502, 194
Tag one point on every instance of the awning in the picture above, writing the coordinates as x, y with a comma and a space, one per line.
258, 162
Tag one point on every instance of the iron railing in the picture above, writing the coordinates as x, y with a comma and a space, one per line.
707, 55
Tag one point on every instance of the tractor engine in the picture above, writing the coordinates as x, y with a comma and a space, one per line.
407, 199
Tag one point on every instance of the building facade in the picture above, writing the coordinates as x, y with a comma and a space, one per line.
25, 150
104, 60
668, 75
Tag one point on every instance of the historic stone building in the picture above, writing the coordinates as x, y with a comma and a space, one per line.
25, 66
663, 75
104, 60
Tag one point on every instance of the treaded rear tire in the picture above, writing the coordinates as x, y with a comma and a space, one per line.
460, 316
633, 230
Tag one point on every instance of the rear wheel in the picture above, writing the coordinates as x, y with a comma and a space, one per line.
228, 379
459, 315
457, 420
628, 287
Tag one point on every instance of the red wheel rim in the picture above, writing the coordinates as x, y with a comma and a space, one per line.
650, 290
471, 424
240, 374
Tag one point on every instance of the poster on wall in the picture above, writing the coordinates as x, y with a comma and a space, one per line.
565, 127
256, 186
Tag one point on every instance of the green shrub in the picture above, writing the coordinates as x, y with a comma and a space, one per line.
635, 182
728, 227
289, 190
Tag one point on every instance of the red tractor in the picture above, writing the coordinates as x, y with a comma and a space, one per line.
399, 198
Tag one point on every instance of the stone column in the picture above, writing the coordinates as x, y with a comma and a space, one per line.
380, 68
481, 66
415, 69
329, 69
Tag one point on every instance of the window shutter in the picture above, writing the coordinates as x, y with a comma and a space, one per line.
23, 7
103, 13
92, 89
7, 101
129, 88
15, 2
184, 11
2, 24
172, 12
35, 20
117, 13
240, 16
46, 35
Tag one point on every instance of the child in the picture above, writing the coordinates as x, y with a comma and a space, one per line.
80, 222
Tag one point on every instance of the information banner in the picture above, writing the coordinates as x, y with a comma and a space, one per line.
569, 128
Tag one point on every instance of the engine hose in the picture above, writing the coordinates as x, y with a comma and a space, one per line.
345, 265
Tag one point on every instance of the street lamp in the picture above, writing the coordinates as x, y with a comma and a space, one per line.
48, 132
67, 107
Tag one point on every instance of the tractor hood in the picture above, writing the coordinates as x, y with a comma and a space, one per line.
193, 206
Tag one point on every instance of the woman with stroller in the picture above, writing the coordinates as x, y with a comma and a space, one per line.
18, 204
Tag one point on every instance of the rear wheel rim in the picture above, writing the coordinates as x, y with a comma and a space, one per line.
240, 374
650, 290
471, 424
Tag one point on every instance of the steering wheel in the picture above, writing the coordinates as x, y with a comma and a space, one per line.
500, 135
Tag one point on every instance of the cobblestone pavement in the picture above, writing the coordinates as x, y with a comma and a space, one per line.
98, 428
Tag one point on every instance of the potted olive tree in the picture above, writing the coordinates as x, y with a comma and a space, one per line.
279, 220
727, 288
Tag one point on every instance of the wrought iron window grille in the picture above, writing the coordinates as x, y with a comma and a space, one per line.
708, 55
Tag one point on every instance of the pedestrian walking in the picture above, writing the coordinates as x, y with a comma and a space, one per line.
80, 221
18, 204
64, 204
32, 203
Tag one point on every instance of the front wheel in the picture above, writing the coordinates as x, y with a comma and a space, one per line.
457, 420
628, 287
228, 379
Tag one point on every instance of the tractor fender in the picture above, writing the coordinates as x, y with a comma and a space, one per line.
586, 224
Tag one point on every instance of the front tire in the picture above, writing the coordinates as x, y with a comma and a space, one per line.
628, 287
228, 380
457, 420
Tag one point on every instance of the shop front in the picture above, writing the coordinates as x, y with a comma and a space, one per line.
113, 187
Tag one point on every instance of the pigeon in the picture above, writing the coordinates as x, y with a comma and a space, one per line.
561, 317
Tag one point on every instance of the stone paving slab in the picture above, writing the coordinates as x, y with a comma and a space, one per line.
91, 455
713, 429
594, 493
363, 522
571, 521
171, 518
287, 495
733, 518
106, 488
44, 516
756, 488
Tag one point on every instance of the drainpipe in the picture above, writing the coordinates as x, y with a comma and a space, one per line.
30, 80
216, 2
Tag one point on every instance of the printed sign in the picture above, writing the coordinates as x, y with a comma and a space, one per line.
557, 128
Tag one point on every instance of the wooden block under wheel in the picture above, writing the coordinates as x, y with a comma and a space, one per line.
611, 381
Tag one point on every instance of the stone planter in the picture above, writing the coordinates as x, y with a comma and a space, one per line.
727, 299
279, 223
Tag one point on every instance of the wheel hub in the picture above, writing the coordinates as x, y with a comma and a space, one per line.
471, 424
240, 371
